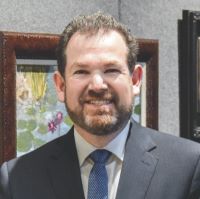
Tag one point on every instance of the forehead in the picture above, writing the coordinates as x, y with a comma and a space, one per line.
101, 39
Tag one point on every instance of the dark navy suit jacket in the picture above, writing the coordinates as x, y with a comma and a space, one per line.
156, 166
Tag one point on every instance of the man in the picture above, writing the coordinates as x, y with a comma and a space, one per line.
97, 80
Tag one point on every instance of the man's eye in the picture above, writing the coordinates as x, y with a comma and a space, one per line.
112, 70
81, 72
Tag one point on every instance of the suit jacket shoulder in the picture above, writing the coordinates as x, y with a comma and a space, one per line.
165, 166
51, 171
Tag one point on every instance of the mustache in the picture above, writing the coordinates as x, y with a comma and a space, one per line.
92, 95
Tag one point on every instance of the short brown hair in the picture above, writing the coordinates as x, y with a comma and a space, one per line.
92, 24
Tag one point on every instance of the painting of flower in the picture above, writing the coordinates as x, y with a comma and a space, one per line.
40, 116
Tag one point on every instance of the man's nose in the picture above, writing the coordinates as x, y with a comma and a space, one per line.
97, 83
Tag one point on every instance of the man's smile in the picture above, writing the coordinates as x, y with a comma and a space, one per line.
99, 102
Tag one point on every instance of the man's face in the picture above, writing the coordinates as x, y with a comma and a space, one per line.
98, 87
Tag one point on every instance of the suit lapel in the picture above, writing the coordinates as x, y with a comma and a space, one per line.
137, 170
64, 171
138, 166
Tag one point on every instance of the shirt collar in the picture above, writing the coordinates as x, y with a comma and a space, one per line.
116, 146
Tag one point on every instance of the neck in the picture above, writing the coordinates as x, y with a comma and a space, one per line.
98, 141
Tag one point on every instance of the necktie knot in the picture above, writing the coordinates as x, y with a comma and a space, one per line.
100, 156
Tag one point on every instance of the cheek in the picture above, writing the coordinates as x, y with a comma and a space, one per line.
73, 91
125, 93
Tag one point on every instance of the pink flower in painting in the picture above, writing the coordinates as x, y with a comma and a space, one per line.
52, 126
59, 118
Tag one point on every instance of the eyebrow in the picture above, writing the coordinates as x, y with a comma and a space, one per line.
108, 64
77, 64
113, 64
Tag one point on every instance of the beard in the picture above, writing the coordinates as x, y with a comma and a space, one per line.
101, 121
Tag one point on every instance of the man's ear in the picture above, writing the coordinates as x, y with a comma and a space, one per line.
137, 79
59, 85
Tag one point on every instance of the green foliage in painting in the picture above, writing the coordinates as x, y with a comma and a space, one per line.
42, 109
52, 100
137, 109
21, 124
68, 121
30, 111
31, 125
37, 142
24, 141
43, 129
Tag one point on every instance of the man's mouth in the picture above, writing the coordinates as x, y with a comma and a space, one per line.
99, 102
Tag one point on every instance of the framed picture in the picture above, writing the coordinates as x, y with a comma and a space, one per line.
30, 115
198, 76
139, 112
40, 117
148, 57
189, 74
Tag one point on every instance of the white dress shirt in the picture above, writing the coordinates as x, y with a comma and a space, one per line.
113, 166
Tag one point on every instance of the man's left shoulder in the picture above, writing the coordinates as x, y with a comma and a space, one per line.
167, 142
183, 154
172, 142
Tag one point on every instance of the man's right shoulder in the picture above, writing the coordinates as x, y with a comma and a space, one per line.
39, 155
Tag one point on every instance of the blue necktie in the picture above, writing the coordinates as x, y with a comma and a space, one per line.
98, 178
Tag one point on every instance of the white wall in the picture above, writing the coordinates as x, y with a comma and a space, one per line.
48, 15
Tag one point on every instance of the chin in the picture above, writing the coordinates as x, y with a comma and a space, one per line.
100, 121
